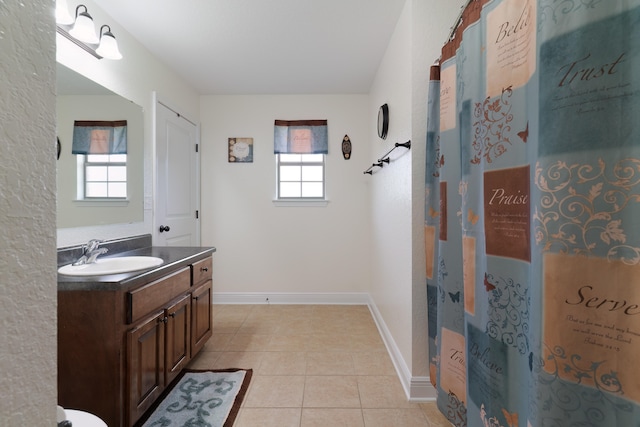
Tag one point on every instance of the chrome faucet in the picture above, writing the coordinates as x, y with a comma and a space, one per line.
90, 252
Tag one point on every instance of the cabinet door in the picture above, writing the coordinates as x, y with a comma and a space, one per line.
145, 363
178, 337
201, 324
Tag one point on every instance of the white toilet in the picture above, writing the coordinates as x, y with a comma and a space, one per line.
79, 418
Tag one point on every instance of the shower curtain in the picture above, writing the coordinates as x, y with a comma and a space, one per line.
532, 216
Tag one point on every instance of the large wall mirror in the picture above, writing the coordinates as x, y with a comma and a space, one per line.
79, 98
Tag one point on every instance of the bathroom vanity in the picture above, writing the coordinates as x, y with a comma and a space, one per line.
123, 338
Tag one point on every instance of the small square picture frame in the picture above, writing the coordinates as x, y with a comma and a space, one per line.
240, 150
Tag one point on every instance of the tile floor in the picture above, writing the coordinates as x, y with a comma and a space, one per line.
313, 365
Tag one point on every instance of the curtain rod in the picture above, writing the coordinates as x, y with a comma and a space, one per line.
458, 20
385, 157
455, 26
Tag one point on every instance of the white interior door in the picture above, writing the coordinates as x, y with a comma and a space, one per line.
176, 220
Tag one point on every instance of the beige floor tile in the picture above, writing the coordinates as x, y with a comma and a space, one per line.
332, 309
331, 392
329, 325
288, 343
362, 326
394, 418
248, 342
283, 363
383, 392
268, 417
294, 326
204, 360
330, 363
229, 315
258, 327
373, 363
239, 359
331, 417
330, 342
235, 310
226, 326
265, 313
313, 365
368, 342
275, 392
433, 414
218, 342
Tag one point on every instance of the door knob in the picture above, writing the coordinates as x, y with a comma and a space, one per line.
164, 228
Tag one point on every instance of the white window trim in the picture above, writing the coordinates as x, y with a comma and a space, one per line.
95, 201
302, 202
100, 202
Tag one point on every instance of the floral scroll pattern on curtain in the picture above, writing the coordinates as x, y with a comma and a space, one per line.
532, 216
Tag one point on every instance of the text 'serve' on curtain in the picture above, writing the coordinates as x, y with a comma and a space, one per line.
99, 137
532, 217
300, 137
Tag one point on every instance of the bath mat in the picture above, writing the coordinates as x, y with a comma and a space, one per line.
208, 398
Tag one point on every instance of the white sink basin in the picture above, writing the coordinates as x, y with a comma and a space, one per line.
113, 265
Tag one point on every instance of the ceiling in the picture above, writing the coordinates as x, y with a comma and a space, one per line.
263, 46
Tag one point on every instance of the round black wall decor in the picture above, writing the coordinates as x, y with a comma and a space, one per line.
383, 121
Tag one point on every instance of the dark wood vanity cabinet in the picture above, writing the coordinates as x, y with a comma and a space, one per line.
119, 350
201, 323
145, 364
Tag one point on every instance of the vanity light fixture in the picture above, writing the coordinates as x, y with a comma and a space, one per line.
83, 28
108, 47
63, 17
82, 32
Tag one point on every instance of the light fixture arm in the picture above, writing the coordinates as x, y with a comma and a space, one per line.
108, 32
86, 11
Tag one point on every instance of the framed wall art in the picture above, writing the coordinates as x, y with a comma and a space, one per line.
240, 150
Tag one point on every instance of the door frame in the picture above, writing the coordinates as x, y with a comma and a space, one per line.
159, 99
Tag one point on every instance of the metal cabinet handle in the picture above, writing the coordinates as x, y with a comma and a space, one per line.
164, 228
205, 269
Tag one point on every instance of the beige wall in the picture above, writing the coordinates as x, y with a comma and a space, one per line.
398, 287
27, 215
263, 249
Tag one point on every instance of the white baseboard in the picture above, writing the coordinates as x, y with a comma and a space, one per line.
417, 389
352, 298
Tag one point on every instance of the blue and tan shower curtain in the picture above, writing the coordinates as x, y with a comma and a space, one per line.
532, 216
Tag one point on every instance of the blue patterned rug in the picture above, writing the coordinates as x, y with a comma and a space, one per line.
201, 399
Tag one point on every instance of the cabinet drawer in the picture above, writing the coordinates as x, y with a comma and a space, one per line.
154, 295
202, 270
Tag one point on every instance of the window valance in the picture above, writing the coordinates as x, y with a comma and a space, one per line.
300, 137
99, 137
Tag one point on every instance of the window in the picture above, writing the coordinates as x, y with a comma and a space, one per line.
103, 176
300, 176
